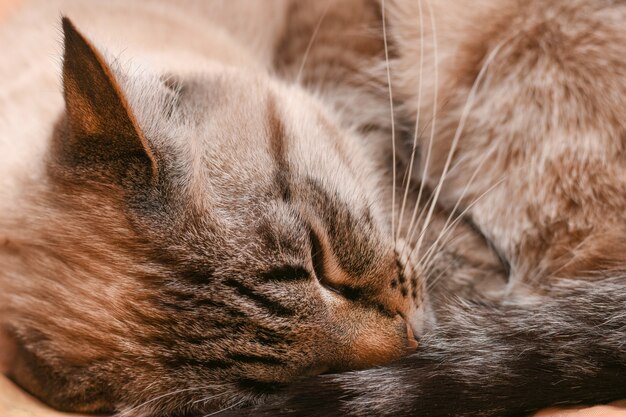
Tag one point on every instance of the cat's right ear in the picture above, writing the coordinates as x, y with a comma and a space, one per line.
101, 127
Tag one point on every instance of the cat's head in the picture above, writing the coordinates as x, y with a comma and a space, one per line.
206, 239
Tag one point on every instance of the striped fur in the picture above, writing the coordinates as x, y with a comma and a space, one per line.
182, 235
197, 291
532, 94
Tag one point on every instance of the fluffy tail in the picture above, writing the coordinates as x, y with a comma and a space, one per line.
568, 348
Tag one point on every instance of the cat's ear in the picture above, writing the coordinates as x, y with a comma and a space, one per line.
101, 125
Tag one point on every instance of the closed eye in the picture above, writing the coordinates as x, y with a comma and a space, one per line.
318, 255
286, 273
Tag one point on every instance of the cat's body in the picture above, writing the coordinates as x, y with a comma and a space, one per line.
529, 100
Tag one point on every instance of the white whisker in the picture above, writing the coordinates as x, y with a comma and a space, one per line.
451, 227
448, 230
423, 211
417, 117
393, 127
465, 113
433, 122
205, 399
225, 409
469, 183
311, 41
168, 394
431, 282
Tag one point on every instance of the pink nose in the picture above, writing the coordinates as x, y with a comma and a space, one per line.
418, 319
411, 342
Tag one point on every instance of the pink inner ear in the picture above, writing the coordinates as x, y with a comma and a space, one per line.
97, 108
89, 122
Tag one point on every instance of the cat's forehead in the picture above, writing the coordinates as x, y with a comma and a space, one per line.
264, 164
251, 137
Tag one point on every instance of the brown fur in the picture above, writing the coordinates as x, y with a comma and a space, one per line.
544, 131
221, 239
194, 289
554, 137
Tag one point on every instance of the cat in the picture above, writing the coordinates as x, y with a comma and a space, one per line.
186, 233
378, 390
517, 109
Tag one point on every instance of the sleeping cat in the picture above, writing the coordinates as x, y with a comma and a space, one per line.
178, 264
518, 112
185, 233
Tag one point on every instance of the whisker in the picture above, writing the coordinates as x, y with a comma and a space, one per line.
433, 125
225, 409
433, 121
469, 183
168, 394
422, 211
466, 109
393, 126
431, 282
311, 41
415, 222
451, 227
205, 399
449, 239
417, 117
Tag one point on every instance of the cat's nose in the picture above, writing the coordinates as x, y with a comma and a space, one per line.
411, 342
418, 318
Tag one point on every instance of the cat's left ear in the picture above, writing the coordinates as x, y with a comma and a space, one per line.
101, 125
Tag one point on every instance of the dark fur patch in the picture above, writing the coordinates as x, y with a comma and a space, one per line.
278, 148
487, 361
259, 299
102, 127
286, 274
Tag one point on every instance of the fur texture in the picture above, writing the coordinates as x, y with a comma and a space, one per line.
190, 235
266, 225
488, 360
516, 111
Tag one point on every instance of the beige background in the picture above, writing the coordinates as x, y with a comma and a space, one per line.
15, 403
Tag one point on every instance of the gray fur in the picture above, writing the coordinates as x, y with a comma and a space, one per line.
489, 360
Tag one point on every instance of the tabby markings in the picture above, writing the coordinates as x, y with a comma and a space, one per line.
261, 300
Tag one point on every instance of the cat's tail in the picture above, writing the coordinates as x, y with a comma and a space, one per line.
485, 360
